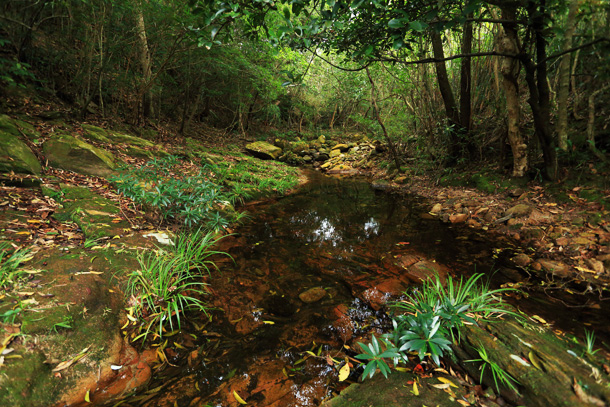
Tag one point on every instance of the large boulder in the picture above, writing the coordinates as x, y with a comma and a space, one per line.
264, 150
15, 155
107, 136
70, 153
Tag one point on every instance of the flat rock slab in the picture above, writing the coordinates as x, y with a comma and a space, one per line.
69, 153
264, 150
395, 391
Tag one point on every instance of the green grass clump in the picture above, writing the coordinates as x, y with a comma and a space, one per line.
499, 375
10, 262
430, 320
249, 178
169, 283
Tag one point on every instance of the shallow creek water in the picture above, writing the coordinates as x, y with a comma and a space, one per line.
345, 239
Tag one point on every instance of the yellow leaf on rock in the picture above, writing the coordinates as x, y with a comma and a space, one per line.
447, 381
87, 399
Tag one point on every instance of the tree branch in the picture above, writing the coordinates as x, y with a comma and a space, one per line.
570, 50
339, 67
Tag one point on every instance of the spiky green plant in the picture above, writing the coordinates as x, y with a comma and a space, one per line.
430, 315
10, 262
194, 250
162, 290
499, 375
590, 343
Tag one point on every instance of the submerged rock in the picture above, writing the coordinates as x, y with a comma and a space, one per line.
312, 295
264, 150
519, 211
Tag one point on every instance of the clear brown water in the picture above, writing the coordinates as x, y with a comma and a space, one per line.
343, 236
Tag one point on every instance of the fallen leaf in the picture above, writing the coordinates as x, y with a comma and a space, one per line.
446, 381
584, 397
415, 390
441, 386
239, 399
66, 364
87, 399
344, 372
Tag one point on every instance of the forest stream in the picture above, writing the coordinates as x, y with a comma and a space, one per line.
308, 278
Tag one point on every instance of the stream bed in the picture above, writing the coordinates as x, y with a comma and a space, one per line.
307, 279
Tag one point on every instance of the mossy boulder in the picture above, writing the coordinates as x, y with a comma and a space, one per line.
264, 150
96, 133
396, 392
15, 155
70, 153
109, 136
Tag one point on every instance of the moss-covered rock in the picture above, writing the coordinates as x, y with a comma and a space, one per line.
15, 155
70, 153
395, 392
264, 150
95, 133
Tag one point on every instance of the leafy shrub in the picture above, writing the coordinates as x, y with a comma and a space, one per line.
192, 200
432, 314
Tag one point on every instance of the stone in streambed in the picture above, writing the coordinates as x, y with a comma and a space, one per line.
436, 208
521, 260
312, 295
519, 211
264, 150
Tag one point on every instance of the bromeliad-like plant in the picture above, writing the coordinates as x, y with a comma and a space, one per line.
194, 250
431, 314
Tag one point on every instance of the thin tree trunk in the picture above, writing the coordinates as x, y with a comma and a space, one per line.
509, 68
591, 125
451, 109
378, 117
466, 78
539, 100
145, 62
564, 78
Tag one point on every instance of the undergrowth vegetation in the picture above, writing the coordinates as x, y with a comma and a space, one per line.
195, 196
10, 263
170, 282
429, 321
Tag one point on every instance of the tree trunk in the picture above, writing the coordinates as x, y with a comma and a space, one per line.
443, 80
378, 117
507, 43
466, 78
448, 99
591, 125
145, 63
564, 78
539, 100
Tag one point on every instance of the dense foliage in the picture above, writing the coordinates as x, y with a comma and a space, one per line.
446, 82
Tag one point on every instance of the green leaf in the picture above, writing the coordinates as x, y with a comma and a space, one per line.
396, 23
369, 369
418, 26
